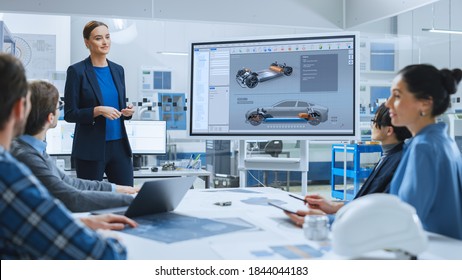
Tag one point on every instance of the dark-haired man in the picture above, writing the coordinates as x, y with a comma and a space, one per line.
34, 225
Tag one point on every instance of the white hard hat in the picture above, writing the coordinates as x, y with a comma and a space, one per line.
374, 222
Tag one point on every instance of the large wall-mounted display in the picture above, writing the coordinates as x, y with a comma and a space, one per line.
302, 87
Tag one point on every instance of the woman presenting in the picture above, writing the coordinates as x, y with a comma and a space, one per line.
95, 101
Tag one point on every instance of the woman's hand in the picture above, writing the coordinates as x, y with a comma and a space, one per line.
110, 113
129, 111
108, 221
299, 218
315, 201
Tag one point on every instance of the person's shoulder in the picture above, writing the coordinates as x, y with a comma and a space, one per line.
115, 65
17, 146
79, 65
12, 170
20, 149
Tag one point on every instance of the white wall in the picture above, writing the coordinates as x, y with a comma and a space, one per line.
441, 50
44, 24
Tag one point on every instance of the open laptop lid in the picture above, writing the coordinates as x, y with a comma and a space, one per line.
156, 196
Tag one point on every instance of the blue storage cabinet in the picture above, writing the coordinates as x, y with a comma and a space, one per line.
354, 170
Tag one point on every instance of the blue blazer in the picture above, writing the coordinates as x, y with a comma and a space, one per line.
81, 95
380, 178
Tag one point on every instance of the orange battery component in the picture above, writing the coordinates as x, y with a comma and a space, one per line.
276, 68
305, 116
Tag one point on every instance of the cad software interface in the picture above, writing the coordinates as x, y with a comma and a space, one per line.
290, 86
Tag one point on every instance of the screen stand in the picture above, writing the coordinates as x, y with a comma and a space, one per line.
270, 163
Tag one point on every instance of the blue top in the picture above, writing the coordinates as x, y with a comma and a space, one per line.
429, 177
111, 99
34, 225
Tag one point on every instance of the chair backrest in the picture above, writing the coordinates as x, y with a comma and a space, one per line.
274, 148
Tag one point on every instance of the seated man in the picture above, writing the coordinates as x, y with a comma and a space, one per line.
77, 194
33, 224
392, 140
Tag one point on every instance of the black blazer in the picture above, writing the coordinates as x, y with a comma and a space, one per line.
380, 178
81, 95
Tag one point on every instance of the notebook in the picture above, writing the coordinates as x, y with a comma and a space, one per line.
156, 196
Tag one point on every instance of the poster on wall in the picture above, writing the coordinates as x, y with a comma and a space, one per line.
37, 52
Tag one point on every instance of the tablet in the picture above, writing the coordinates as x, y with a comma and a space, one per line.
286, 207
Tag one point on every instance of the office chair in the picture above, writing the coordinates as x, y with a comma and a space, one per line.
274, 148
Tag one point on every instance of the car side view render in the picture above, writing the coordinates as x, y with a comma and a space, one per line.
288, 109
246, 78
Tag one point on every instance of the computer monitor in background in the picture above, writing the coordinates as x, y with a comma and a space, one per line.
147, 137
59, 139
301, 87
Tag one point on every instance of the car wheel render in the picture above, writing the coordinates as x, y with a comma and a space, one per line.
315, 119
251, 81
256, 119
288, 70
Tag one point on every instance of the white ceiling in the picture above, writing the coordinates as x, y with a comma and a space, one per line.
320, 14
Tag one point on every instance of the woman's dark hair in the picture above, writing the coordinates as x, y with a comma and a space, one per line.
13, 85
382, 118
424, 81
43, 98
90, 26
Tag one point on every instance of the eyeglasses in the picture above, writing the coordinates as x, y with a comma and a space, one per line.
60, 105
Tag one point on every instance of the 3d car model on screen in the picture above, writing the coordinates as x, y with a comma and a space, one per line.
289, 109
246, 78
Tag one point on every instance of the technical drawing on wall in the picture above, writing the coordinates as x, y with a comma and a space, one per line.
37, 52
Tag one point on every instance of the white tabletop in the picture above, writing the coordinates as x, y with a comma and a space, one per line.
271, 231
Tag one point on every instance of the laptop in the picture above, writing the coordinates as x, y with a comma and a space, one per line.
156, 196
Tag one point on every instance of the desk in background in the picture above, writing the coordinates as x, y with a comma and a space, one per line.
148, 174
272, 235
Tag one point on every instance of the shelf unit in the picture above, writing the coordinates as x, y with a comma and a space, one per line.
270, 163
355, 172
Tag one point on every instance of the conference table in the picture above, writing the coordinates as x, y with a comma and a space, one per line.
238, 224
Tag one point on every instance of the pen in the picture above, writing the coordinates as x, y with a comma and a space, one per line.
195, 161
297, 197
190, 160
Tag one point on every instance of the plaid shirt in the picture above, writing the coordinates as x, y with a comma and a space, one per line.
34, 225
